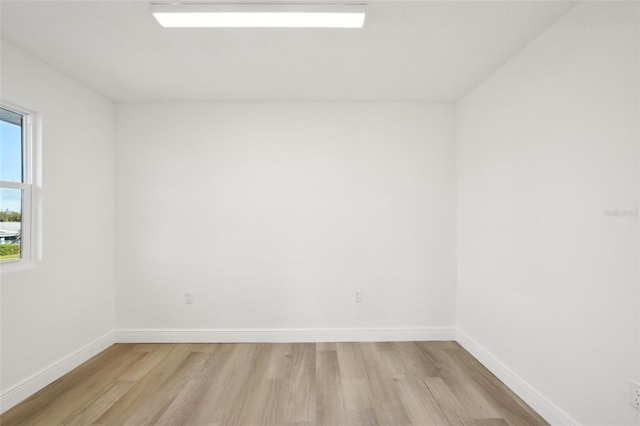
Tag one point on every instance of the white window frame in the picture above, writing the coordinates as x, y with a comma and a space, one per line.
30, 196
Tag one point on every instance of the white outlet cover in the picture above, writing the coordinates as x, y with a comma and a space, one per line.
634, 395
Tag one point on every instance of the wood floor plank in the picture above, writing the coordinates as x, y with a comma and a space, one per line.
359, 402
153, 355
476, 405
38, 404
513, 409
95, 409
85, 392
215, 372
384, 346
180, 409
255, 384
374, 363
419, 402
279, 362
264, 404
206, 347
488, 422
387, 404
165, 394
258, 400
447, 401
350, 361
457, 379
330, 403
326, 346
445, 367
300, 390
415, 362
133, 402
227, 394
151, 408
395, 361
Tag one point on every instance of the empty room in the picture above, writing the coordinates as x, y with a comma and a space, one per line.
319, 213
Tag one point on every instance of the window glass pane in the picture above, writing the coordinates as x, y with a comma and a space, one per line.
10, 223
10, 146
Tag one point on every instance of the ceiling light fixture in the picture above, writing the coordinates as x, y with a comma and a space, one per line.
259, 15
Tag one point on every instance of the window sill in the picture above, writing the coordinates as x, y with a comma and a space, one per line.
11, 267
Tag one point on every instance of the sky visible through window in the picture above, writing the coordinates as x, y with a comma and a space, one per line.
10, 165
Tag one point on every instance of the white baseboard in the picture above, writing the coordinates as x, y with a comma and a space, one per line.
549, 411
279, 335
42, 378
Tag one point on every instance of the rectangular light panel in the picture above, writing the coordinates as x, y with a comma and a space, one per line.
259, 15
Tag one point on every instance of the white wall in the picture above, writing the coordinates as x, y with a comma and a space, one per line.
546, 282
272, 214
67, 302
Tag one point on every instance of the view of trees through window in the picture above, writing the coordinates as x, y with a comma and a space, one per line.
11, 182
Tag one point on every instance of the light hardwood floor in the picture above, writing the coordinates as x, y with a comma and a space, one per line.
403, 383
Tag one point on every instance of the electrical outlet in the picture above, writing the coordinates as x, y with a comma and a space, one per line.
188, 298
634, 395
357, 296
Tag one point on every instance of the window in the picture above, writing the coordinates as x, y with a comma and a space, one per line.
16, 189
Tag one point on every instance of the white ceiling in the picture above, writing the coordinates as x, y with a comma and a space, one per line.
427, 50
